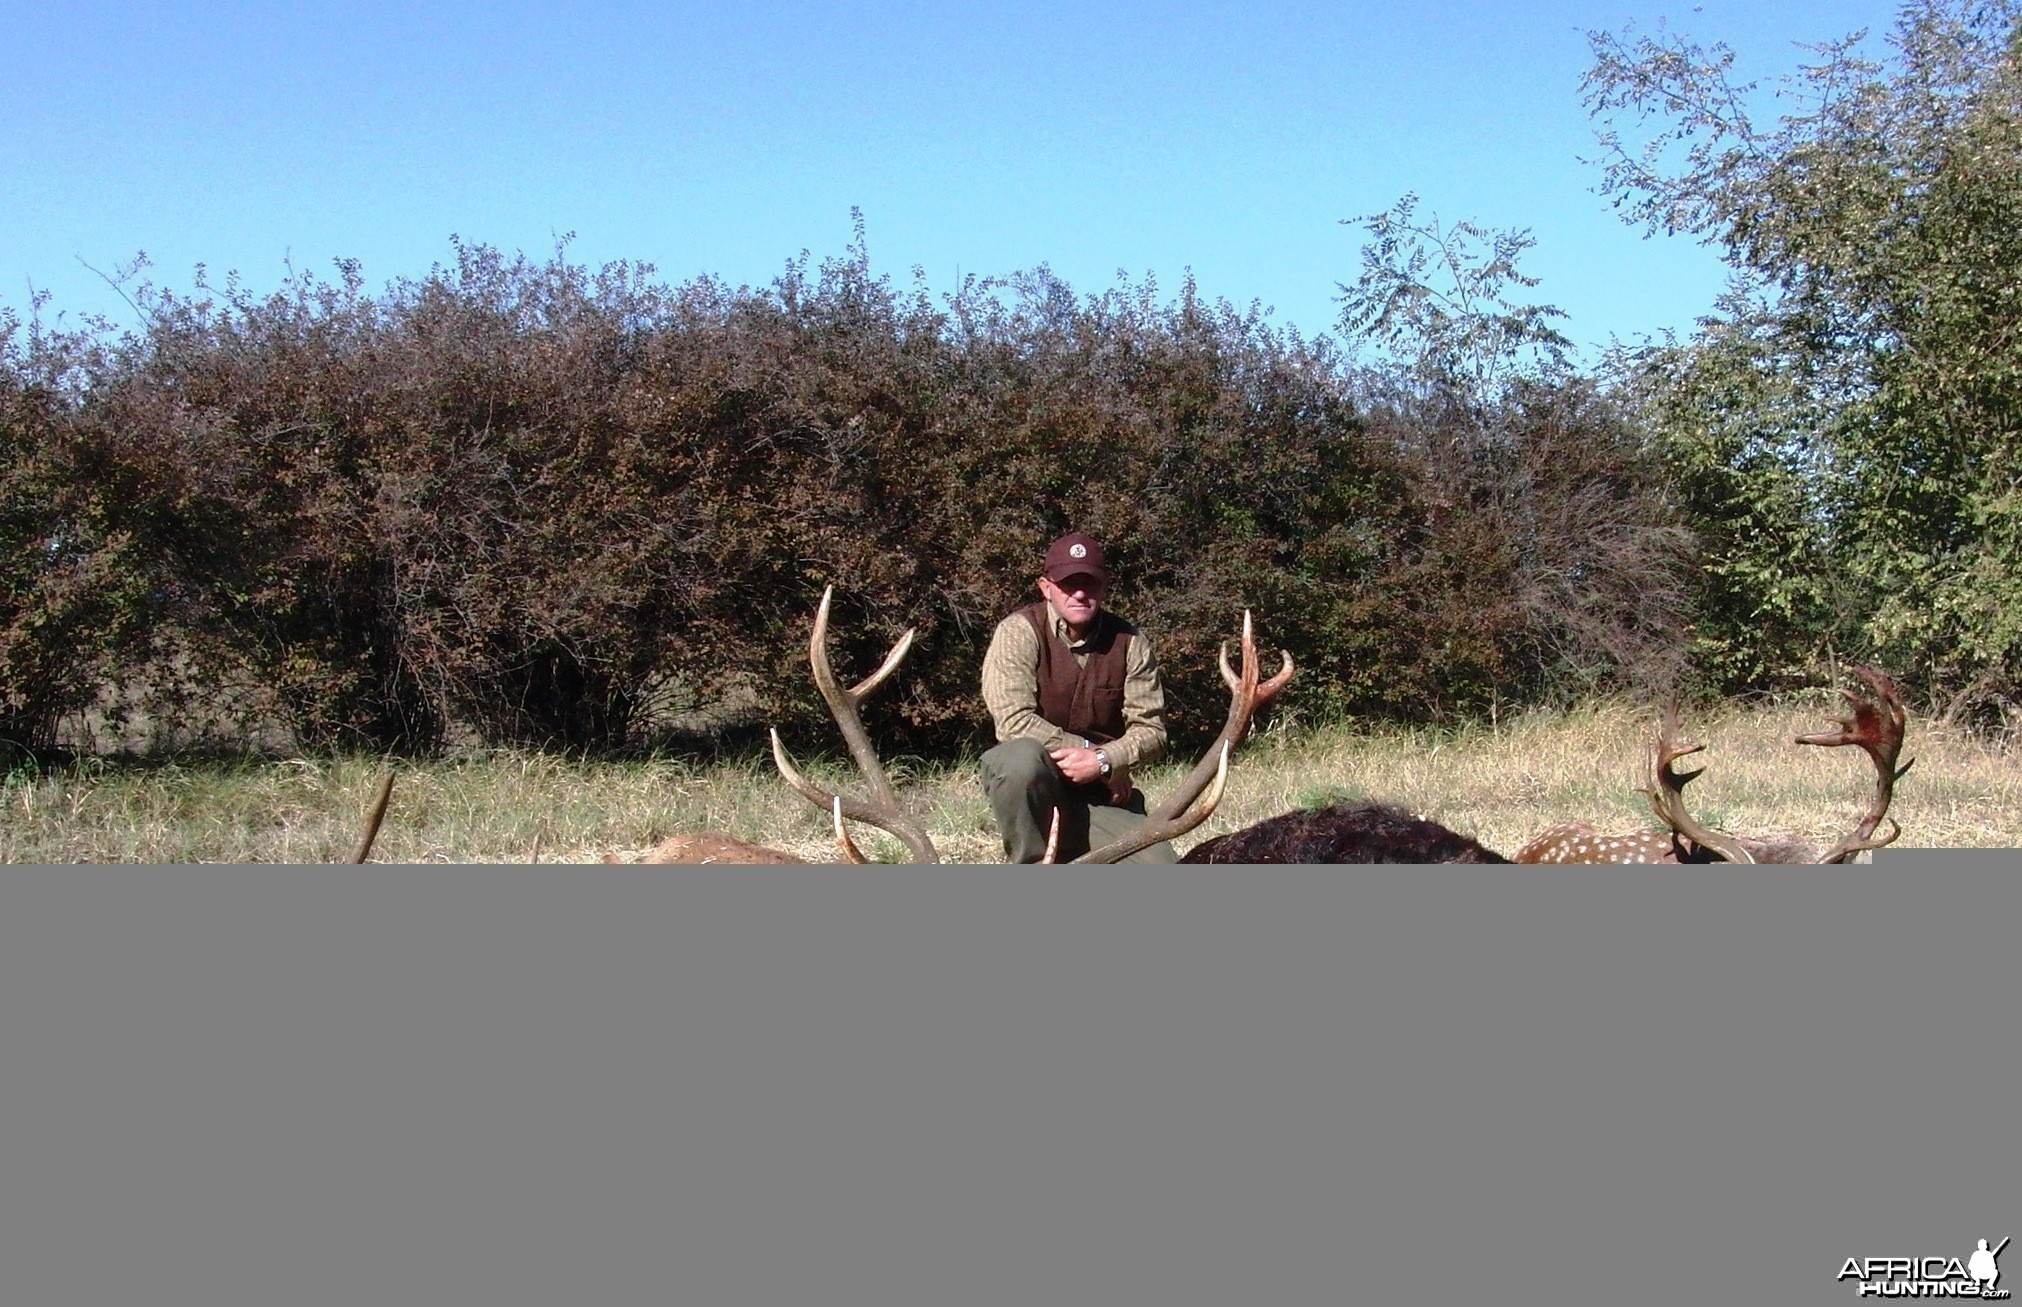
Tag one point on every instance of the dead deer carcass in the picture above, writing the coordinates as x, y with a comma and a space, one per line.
1875, 726
1370, 832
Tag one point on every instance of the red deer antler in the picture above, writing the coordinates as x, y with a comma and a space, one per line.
1155, 827
1246, 694
883, 811
1175, 817
373, 817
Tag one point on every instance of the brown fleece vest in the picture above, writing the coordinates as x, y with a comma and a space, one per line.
1087, 701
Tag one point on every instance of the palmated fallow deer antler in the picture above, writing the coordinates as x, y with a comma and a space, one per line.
1876, 726
1667, 793
883, 809
1684, 839
1246, 694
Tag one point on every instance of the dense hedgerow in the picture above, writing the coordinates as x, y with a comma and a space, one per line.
524, 502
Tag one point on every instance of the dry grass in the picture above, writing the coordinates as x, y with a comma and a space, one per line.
1590, 764
1501, 786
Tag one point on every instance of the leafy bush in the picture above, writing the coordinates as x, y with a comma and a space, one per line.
523, 502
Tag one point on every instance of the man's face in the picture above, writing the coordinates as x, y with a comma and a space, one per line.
1077, 598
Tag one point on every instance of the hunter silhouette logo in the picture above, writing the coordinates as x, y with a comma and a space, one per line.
1929, 1277
1981, 1265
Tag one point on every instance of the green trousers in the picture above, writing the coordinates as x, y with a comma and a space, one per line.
1024, 787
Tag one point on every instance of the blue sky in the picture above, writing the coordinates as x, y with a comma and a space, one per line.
1096, 137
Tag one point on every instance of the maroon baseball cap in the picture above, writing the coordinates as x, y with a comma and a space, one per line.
1075, 554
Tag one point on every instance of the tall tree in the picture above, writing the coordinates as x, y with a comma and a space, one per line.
1849, 420
1549, 512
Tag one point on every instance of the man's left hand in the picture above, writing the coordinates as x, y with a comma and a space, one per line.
1078, 765
1082, 767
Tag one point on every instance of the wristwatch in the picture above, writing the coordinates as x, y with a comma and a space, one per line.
1102, 761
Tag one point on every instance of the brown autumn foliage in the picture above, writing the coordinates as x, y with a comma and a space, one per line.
524, 502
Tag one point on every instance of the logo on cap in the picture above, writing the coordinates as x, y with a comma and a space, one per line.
1077, 550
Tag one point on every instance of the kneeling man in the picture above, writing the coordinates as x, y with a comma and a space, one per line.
1076, 700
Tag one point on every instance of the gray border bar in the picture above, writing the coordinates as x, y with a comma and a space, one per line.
898, 1085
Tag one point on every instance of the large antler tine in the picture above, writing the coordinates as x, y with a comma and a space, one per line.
1052, 854
373, 817
817, 647
868, 686
850, 851
806, 788
1244, 683
1269, 689
1155, 829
